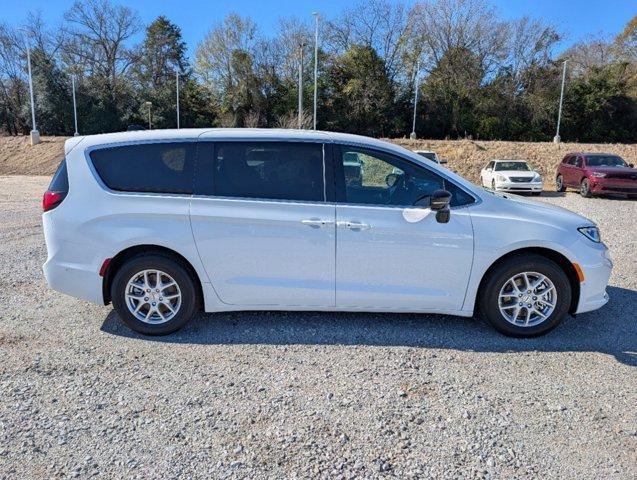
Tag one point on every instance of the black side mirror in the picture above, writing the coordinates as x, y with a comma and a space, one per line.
631, 165
440, 200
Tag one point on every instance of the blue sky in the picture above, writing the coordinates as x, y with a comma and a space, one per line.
576, 19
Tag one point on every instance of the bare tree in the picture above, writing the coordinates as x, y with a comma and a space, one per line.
97, 34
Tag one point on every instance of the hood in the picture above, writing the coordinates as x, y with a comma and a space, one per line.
515, 173
542, 212
628, 170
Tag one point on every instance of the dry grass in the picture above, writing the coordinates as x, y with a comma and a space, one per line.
466, 157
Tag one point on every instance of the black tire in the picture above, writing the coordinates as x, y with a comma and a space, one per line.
536, 194
559, 184
171, 266
585, 189
490, 291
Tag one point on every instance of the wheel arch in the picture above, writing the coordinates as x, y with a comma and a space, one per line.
120, 259
564, 263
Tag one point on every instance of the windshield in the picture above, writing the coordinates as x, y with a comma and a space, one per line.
605, 161
428, 155
520, 166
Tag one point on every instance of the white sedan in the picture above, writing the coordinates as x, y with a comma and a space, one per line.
511, 176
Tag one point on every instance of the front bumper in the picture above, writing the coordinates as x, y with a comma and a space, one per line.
518, 186
601, 186
597, 269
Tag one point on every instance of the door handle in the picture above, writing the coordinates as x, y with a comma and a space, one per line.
316, 222
354, 225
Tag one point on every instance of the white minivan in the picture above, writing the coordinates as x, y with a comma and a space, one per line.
163, 223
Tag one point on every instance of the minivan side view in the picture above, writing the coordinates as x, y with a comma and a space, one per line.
163, 223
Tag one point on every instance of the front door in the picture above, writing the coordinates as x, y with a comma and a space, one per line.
389, 254
263, 228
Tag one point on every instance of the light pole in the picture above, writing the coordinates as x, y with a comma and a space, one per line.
301, 48
557, 138
35, 135
74, 105
412, 135
177, 89
316, 32
149, 104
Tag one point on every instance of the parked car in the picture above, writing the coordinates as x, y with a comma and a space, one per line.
429, 155
596, 174
511, 176
164, 222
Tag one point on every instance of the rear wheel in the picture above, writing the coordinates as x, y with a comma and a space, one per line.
154, 294
559, 184
585, 189
525, 296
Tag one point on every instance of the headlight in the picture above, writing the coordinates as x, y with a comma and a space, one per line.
598, 174
537, 178
592, 233
501, 178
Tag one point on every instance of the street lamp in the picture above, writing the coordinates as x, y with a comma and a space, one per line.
301, 48
177, 93
35, 135
316, 32
412, 135
74, 105
557, 138
149, 104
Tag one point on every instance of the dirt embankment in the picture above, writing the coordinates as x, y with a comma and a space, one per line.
466, 157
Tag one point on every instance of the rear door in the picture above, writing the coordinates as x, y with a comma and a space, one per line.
262, 225
390, 255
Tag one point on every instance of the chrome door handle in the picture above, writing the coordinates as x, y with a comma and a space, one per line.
354, 225
316, 222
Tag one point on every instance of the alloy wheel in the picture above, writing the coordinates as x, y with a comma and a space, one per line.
527, 299
153, 296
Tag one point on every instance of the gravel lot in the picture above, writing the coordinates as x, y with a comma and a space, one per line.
272, 395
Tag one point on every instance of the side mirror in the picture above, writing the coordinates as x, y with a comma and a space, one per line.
631, 165
440, 200
390, 179
442, 162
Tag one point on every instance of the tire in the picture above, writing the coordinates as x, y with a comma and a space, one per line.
499, 281
559, 184
182, 297
585, 189
536, 194
493, 185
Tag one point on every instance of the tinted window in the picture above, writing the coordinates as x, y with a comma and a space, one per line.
605, 161
271, 170
156, 167
577, 161
376, 178
60, 180
518, 166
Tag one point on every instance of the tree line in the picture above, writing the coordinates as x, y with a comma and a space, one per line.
478, 75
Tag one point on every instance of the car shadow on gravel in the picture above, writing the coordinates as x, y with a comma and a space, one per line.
611, 330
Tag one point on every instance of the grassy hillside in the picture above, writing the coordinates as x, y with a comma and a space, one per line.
466, 157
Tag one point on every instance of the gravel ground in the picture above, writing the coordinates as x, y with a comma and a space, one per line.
272, 395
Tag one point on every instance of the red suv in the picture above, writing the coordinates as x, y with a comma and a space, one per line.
596, 174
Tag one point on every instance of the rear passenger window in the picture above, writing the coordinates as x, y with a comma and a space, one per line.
149, 167
269, 170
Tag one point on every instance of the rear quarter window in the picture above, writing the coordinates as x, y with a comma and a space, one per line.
149, 167
60, 180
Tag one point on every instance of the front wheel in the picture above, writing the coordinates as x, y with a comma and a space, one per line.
493, 185
525, 296
585, 189
154, 294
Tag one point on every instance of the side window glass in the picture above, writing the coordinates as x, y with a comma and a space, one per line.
148, 167
269, 170
577, 161
375, 178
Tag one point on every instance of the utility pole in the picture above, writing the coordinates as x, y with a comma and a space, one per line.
316, 32
74, 105
149, 104
557, 138
301, 48
35, 135
177, 89
412, 135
